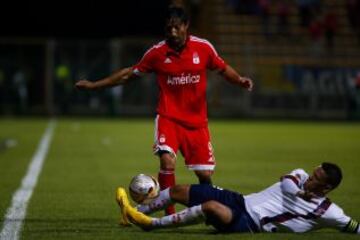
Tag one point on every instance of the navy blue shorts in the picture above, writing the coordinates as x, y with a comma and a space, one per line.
241, 222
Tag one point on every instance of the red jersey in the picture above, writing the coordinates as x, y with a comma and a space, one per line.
181, 77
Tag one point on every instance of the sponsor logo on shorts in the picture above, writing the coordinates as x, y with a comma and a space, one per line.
162, 138
211, 153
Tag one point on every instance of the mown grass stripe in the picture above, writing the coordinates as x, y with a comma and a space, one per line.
17, 211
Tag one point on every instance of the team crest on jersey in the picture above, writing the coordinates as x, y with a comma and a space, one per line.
196, 59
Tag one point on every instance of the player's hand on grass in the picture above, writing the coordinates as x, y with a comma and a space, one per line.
84, 84
246, 83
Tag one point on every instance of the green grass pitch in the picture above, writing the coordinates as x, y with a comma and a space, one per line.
89, 158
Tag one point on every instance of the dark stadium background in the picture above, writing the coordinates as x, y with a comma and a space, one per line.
297, 73
82, 19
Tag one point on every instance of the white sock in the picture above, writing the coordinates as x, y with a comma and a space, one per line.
187, 216
159, 203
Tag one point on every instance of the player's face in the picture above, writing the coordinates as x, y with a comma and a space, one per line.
176, 32
317, 182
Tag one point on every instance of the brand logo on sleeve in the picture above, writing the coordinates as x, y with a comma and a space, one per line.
167, 60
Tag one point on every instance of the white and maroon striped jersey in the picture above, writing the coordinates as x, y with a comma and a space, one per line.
277, 208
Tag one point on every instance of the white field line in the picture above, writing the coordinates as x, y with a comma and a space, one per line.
16, 212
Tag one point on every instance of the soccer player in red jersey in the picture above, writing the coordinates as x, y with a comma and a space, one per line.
180, 63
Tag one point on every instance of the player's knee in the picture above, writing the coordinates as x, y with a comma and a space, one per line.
180, 193
167, 161
214, 209
210, 207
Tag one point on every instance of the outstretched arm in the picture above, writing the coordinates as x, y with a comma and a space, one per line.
117, 78
335, 217
233, 77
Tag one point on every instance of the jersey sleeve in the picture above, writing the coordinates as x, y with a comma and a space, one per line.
335, 217
292, 183
289, 186
353, 226
215, 62
297, 176
145, 65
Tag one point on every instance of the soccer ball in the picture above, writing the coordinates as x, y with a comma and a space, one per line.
144, 188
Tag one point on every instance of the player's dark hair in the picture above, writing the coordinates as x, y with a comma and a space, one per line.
333, 173
177, 12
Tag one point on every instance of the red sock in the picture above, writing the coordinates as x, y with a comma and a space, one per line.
166, 179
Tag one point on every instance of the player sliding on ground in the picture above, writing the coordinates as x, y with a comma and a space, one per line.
296, 203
